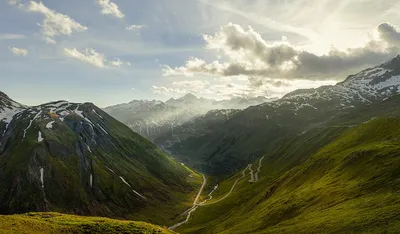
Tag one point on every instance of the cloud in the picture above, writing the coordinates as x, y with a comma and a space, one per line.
110, 8
134, 27
15, 2
118, 63
237, 86
245, 52
91, 56
390, 34
19, 51
11, 36
263, 20
55, 23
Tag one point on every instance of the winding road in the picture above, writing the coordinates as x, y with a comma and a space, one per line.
251, 174
193, 208
229, 193
254, 178
258, 170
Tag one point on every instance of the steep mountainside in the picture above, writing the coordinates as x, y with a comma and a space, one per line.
196, 127
155, 119
8, 108
333, 179
254, 131
75, 158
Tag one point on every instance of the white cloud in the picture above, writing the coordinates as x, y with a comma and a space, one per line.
11, 36
263, 20
134, 27
236, 87
19, 51
55, 23
91, 56
15, 2
245, 52
118, 63
110, 8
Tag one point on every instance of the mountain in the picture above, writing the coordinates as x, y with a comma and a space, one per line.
334, 179
257, 129
75, 158
195, 127
8, 108
154, 119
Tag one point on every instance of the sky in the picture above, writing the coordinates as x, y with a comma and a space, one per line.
113, 51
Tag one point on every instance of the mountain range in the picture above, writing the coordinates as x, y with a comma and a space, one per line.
252, 132
152, 118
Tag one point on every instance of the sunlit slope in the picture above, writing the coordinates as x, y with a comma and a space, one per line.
349, 185
43, 223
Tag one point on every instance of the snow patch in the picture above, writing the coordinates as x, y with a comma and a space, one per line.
102, 129
42, 176
94, 111
40, 138
78, 112
123, 180
88, 147
138, 194
50, 125
110, 169
30, 123
7, 115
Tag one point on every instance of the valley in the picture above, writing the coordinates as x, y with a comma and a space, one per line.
318, 160
200, 117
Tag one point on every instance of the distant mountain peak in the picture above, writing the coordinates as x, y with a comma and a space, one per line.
189, 95
3, 95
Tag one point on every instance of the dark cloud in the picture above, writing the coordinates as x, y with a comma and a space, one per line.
390, 34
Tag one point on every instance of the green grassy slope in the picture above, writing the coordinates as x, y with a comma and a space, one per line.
43, 223
333, 180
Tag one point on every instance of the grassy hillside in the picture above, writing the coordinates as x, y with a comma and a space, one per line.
332, 180
43, 223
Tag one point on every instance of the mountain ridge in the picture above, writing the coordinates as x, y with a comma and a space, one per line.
75, 158
153, 119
